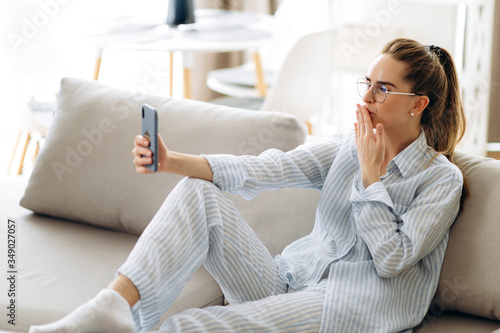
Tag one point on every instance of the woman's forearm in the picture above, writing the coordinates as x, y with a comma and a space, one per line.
188, 165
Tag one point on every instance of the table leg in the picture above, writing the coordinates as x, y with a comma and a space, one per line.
187, 83
259, 72
19, 135
97, 64
23, 156
187, 64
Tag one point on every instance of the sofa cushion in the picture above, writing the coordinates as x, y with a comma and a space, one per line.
85, 173
469, 279
454, 322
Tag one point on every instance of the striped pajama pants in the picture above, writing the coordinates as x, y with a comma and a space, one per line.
199, 225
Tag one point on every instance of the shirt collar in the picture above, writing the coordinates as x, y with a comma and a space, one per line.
414, 157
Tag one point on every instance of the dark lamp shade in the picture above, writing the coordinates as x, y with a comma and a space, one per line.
180, 12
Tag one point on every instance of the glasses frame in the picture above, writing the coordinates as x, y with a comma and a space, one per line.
371, 86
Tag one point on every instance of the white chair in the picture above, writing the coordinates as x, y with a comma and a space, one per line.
33, 120
32, 70
30, 83
292, 20
301, 85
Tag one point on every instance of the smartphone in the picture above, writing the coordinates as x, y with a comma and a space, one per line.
150, 130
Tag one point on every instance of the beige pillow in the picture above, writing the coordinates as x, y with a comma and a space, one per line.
469, 281
85, 172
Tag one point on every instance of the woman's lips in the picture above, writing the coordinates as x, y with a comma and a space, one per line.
369, 112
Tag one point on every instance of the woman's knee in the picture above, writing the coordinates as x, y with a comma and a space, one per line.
199, 189
191, 184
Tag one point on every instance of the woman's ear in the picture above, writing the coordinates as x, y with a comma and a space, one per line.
420, 104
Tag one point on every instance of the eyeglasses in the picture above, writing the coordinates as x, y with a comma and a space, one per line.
379, 90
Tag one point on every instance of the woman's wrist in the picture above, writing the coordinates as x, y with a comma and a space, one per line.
369, 177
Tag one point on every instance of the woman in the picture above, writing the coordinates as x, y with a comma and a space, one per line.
389, 194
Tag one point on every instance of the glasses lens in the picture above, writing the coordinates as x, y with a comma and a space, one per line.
363, 87
379, 92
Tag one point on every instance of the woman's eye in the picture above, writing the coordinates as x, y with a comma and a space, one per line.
382, 88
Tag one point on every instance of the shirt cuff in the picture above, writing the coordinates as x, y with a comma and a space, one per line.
228, 171
375, 192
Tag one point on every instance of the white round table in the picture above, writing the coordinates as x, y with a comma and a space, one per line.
214, 31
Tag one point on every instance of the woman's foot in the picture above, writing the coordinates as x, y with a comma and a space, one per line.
107, 312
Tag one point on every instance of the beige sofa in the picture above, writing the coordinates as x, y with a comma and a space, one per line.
91, 206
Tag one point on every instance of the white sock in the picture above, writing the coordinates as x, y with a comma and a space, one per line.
107, 312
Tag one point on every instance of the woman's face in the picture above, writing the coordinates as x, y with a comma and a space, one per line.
394, 112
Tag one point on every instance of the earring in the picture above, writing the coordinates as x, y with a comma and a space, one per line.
412, 114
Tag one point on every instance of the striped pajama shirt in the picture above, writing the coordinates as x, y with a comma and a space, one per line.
371, 263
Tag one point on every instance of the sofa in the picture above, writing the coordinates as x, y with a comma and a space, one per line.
70, 224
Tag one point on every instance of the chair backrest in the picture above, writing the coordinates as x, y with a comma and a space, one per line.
301, 85
292, 20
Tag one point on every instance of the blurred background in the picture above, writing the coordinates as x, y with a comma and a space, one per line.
45, 40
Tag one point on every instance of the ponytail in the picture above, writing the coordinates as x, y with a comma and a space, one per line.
432, 72
446, 127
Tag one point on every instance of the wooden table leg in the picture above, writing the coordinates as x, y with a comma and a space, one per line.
187, 64
259, 72
23, 156
187, 83
97, 64
37, 150
14, 151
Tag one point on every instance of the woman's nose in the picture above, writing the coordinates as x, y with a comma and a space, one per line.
368, 97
